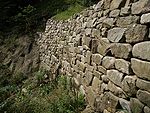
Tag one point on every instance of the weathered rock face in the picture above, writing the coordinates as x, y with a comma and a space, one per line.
23, 58
105, 50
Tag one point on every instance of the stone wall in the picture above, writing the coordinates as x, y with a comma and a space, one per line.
106, 51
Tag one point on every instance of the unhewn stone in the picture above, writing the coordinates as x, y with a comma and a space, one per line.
105, 111
88, 31
125, 105
108, 22
108, 62
88, 57
121, 50
97, 58
138, 7
146, 109
116, 90
136, 106
125, 11
103, 46
90, 95
116, 4
142, 50
86, 40
104, 87
114, 13
135, 33
143, 97
115, 34
102, 69
125, 21
122, 65
115, 76
143, 84
145, 18
88, 77
129, 85
96, 33
97, 74
81, 66
109, 102
96, 84
141, 68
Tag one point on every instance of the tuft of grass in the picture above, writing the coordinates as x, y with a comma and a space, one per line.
73, 9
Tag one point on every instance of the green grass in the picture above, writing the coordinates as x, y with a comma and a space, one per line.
39, 95
69, 12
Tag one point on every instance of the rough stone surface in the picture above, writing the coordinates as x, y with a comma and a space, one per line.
102, 69
146, 109
125, 105
121, 50
103, 46
129, 85
143, 84
136, 106
115, 76
145, 18
96, 84
138, 66
116, 90
138, 7
115, 4
110, 102
142, 50
115, 34
108, 62
90, 96
122, 65
135, 33
125, 11
143, 97
97, 58
114, 13
125, 21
